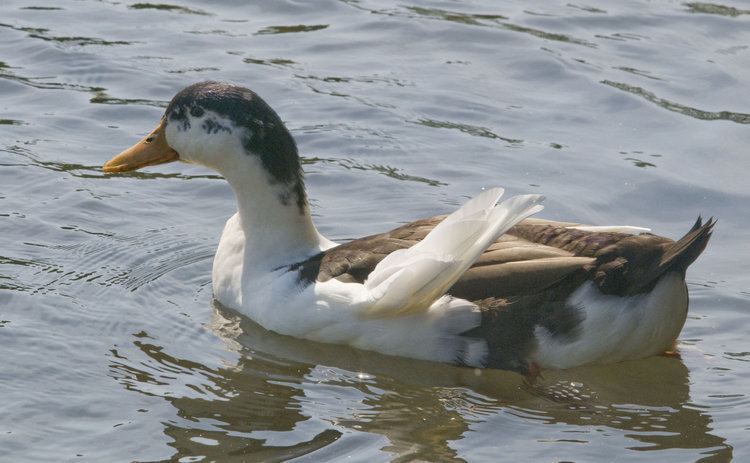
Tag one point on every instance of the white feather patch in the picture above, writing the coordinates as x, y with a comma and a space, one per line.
627, 229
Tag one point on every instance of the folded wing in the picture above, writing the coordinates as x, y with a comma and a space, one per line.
410, 280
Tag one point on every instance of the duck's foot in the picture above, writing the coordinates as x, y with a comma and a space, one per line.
533, 371
672, 354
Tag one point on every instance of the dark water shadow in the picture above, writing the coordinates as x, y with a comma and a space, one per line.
648, 399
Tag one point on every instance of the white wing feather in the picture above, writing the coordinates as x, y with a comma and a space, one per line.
627, 229
410, 280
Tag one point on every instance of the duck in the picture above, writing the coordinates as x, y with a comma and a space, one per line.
487, 286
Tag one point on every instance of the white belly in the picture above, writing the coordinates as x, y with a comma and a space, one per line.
617, 328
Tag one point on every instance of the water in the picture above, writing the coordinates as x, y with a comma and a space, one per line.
620, 112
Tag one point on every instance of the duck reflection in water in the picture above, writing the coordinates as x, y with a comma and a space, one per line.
286, 397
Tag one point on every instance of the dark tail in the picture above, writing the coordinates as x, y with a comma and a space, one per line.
679, 255
635, 264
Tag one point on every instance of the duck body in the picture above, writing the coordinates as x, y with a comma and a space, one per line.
484, 287
550, 312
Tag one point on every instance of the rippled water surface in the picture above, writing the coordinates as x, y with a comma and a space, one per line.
111, 348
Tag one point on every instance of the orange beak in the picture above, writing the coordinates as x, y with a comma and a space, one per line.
150, 151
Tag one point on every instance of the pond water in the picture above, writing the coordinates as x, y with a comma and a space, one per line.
111, 348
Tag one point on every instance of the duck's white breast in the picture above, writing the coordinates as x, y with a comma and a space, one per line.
336, 312
226, 275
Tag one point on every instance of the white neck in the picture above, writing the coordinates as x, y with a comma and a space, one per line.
277, 232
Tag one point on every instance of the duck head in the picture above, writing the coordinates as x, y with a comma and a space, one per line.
227, 128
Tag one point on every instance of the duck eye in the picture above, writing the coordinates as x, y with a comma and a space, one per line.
196, 111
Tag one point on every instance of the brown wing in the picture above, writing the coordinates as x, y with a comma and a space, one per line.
534, 255
530, 257
355, 260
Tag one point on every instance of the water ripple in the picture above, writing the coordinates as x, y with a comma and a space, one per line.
279, 62
168, 7
739, 118
291, 29
388, 171
43, 34
715, 8
476, 131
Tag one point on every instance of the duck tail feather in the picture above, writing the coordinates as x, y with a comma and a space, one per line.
635, 264
679, 255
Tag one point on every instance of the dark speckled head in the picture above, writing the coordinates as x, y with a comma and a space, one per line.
265, 136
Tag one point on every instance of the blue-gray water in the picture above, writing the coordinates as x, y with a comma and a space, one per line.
110, 348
